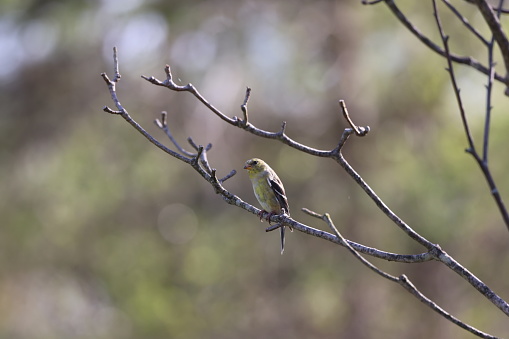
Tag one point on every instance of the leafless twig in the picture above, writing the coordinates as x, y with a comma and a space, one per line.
163, 124
434, 252
336, 154
489, 88
492, 19
210, 175
401, 280
482, 162
465, 22
466, 60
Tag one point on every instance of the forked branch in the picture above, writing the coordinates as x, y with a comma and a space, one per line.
493, 23
482, 161
402, 280
209, 174
433, 251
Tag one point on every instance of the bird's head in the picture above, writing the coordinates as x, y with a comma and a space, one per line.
255, 165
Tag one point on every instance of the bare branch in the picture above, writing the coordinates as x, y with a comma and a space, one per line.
115, 62
200, 163
194, 162
466, 23
281, 136
401, 280
326, 217
192, 143
243, 107
471, 146
232, 199
169, 83
450, 69
336, 154
469, 61
407, 284
359, 131
123, 112
228, 176
274, 227
381, 205
163, 124
372, 2
489, 87
492, 19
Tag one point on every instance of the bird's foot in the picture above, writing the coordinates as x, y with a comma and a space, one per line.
270, 216
261, 213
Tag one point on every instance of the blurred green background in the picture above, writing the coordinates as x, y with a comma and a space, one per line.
104, 236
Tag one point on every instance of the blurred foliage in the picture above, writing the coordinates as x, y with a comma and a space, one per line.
104, 236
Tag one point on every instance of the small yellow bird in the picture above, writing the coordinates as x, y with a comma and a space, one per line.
269, 191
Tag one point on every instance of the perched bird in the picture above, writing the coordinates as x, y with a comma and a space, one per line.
269, 191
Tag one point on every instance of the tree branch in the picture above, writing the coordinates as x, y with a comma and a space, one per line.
492, 19
245, 124
434, 252
232, 199
489, 88
483, 164
465, 60
465, 22
402, 280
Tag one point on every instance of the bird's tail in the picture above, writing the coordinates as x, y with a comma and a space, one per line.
282, 231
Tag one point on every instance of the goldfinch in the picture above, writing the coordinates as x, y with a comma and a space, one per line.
269, 192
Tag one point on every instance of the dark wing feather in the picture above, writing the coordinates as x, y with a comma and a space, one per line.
278, 188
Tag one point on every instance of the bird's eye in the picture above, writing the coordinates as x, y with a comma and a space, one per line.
255, 162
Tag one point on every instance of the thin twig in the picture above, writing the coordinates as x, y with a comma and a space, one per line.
243, 107
450, 69
163, 124
204, 161
115, 62
228, 176
169, 83
492, 20
489, 88
235, 200
471, 146
196, 158
401, 280
359, 131
274, 227
427, 41
336, 155
328, 220
280, 135
466, 23
123, 112
407, 284
371, 2
434, 251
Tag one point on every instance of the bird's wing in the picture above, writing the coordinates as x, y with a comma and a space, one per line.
279, 190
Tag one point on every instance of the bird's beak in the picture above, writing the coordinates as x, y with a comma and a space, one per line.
247, 167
